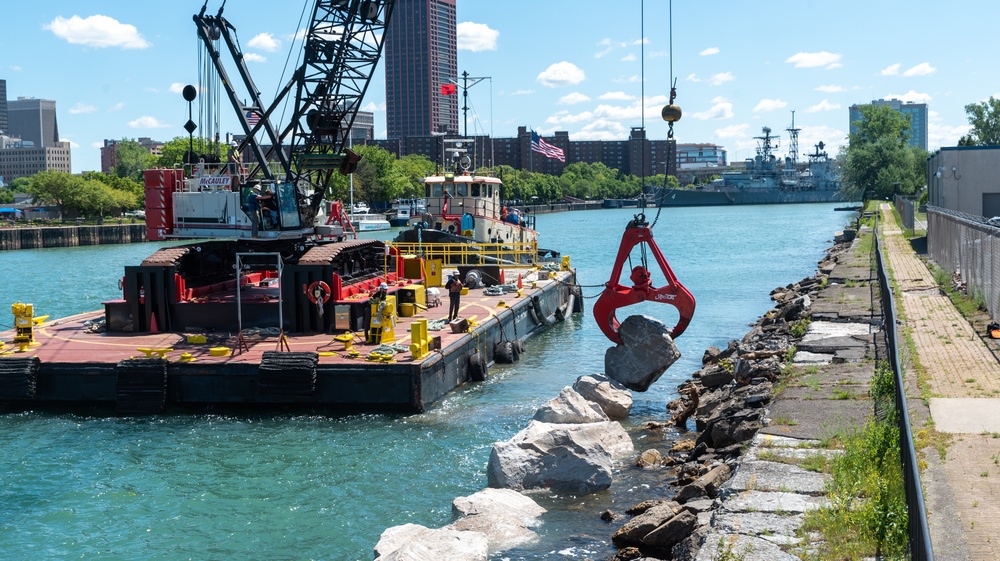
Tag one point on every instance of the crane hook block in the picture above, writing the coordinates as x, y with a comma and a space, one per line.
617, 296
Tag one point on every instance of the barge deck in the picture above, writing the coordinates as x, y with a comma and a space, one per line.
144, 372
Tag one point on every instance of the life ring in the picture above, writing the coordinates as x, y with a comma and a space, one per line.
318, 291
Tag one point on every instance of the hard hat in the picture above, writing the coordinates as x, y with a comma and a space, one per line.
383, 286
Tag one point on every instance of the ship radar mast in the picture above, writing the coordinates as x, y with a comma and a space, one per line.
766, 144
793, 141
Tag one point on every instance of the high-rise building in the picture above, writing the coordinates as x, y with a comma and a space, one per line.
4, 122
915, 112
34, 120
421, 63
35, 146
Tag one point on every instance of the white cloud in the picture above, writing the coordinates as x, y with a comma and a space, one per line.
561, 74
616, 96
254, 57
831, 89
71, 143
891, 70
922, 69
476, 37
567, 118
15, 68
522, 92
911, 96
264, 42
814, 60
831, 138
769, 105
601, 129
710, 51
637, 42
97, 31
939, 135
722, 109
732, 131
628, 58
692, 78
721, 78
147, 122
150, 89
604, 42
177, 87
97, 144
82, 108
573, 98
118, 106
824, 105
602, 54
373, 107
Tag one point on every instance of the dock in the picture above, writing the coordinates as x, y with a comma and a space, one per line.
145, 372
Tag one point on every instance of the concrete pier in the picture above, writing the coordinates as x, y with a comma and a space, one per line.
70, 236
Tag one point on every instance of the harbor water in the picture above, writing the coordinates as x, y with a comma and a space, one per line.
282, 486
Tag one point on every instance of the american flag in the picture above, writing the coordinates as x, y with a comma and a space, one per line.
546, 149
253, 118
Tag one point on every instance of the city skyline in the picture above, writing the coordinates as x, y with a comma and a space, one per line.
553, 66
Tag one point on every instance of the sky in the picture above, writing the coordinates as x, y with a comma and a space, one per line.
116, 68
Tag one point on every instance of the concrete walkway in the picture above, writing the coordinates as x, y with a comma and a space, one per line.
962, 377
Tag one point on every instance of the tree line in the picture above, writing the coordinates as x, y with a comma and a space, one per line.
878, 163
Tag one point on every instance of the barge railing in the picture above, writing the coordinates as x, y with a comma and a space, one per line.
509, 255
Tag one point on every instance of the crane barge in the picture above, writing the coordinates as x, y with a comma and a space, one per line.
207, 312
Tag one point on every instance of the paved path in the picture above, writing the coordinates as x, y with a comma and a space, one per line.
963, 379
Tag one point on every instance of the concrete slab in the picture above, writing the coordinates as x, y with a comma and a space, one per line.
806, 357
761, 524
720, 545
776, 476
966, 415
833, 392
797, 418
775, 502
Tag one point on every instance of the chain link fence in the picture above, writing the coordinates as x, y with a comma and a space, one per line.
969, 246
906, 209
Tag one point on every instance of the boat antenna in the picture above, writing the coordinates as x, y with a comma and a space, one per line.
671, 114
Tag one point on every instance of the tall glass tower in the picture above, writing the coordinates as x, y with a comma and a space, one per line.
915, 112
421, 55
34, 120
4, 122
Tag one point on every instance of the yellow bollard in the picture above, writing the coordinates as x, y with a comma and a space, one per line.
419, 340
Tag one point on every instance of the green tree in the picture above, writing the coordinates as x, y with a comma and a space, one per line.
133, 159
878, 162
123, 184
985, 120
57, 188
172, 153
414, 168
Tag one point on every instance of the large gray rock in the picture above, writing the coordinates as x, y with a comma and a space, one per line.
647, 350
502, 514
570, 407
561, 457
615, 399
413, 542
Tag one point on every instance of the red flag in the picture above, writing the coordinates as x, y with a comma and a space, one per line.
448, 89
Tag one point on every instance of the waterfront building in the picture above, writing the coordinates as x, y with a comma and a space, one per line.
4, 122
915, 112
636, 155
109, 152
421, 65
21, 158
964, 179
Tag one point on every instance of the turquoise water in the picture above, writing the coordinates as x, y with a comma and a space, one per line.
281, 486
